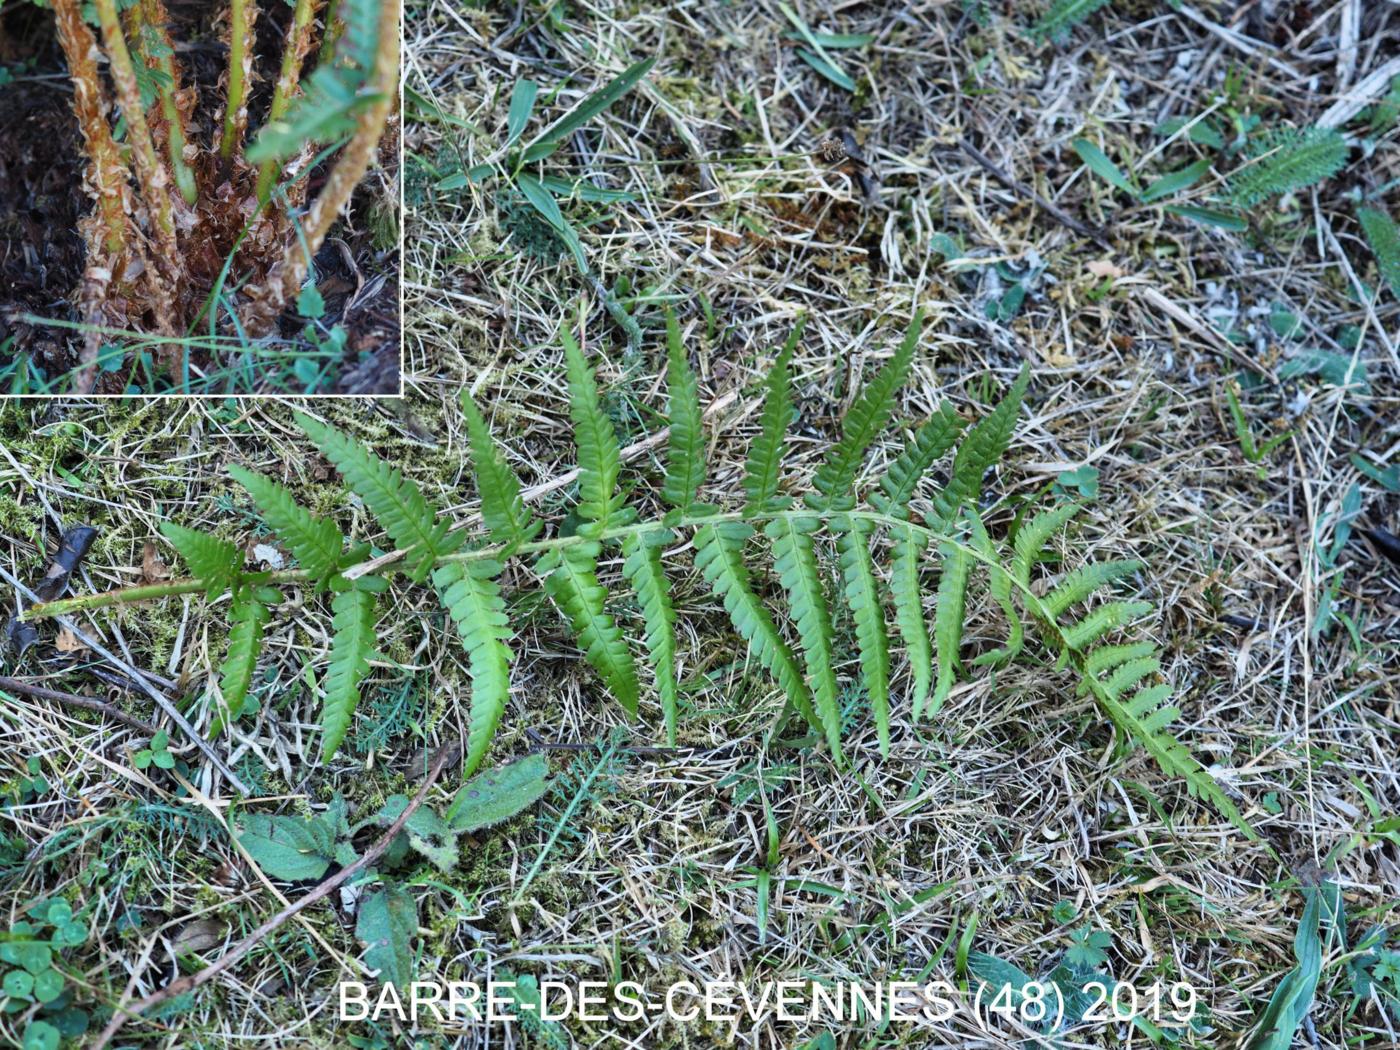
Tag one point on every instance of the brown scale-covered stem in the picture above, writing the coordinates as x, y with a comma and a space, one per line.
293, 57
175, 104
287, 275
243, 14
107, 175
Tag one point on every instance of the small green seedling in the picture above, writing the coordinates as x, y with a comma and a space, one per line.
158, 754
30, 982
1253, 452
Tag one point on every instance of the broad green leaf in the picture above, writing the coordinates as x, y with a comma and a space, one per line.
387, 924
543, 202
1223, 220
522, 104
499, 794
544, 143
284, 847
1176, 181
1101, 166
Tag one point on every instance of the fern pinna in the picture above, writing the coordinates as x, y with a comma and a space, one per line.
842, 544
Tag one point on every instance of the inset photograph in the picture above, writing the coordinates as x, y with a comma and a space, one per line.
199, 198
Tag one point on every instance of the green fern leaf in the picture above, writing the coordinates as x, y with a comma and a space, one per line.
1384, 238
685, 450
983, 448
1079, 636
212, 561
393, 499
1107, 657
315, 542
507, 520
598, 455
1000, 589
765, 463
901, 480
352, 648
1034, 535
1144, 719
719, 555
863, 599
1063, 16
643, 570
835, 478
1287, 159
1129, 674
795, 563
247, 616
948, 621
471, 596
907, 552
569, 576
1078, 585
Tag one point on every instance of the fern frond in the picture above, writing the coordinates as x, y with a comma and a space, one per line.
1081, 583
1107, 657
352, 647
471, 596
570, 578
315, 542
835, 478
1384, 237
948, 621
1000, 589
867, 613
598, 455
1063, 16
247, 616
930, 441
1144, 719
396, 501
719, 555
507, 519
643, 569
1127, 675
1084, 633
1034, 535
685, 450
1287, 159
795, 563
212, 561
907, 551
765, 462
984, 446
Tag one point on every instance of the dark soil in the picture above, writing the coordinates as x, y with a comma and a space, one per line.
41, 201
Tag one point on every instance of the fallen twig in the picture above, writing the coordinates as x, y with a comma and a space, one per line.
1057, 213
162, 701
17, 685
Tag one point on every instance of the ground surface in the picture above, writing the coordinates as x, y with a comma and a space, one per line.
1013, 819
42, 253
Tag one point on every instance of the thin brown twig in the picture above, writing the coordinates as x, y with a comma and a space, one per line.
191, 982
18, 685
1057, 213
162, 701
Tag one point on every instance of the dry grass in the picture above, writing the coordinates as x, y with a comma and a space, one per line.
1015, 797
